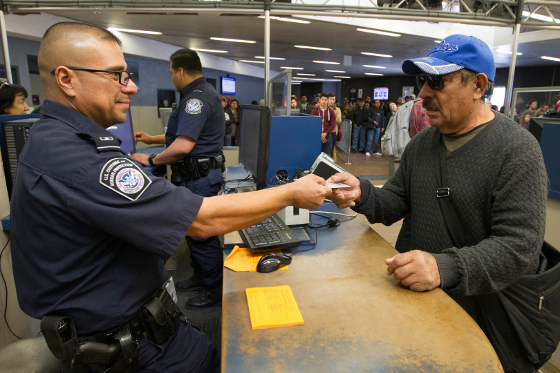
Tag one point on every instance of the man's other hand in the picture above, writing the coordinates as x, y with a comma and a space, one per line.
416, 269
141, 158
309, 192
143, 137
345, 197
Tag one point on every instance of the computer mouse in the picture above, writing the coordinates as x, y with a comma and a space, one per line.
272, 262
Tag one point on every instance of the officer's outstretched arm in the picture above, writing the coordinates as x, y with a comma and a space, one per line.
231, 212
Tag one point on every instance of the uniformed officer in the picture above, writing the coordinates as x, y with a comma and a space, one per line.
91, 230
194, 141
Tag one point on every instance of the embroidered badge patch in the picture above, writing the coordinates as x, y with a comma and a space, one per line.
124, 177
194, 106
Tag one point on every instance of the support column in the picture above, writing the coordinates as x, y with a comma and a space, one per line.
266, 49
509, 88
5, 47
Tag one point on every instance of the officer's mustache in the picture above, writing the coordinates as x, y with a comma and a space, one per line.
430, 104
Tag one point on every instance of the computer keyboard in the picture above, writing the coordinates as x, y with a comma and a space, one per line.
270, 233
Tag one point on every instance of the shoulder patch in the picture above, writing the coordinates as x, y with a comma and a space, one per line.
124, 176
194, 106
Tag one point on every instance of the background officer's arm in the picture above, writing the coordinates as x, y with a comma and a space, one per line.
182, 146
147, 139
231, 212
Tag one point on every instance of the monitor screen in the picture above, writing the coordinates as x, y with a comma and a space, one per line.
125, 133
254, 143
381, 93
228, 85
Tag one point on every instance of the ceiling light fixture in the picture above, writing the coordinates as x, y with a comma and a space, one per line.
550, 58
540, 17
271, 17
335, 71
308, 47
377, 54
374, 74
379, 32
305, 74
208, 50
328, 62
375, 67
342, 77
135, 31
272, 58
233, 40
249, 61
437, 41
508, 52
293, 68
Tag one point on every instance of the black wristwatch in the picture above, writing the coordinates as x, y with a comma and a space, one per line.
151, 159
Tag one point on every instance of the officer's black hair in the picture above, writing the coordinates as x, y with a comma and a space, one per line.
104, 34
186, 59
8, 93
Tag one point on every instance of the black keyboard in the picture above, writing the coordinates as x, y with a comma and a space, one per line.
270, 233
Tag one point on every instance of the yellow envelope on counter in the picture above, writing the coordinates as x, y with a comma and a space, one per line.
244, 260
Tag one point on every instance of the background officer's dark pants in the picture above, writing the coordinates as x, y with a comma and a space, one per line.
206, 253
188, 350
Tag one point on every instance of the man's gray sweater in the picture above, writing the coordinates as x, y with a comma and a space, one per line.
499, 187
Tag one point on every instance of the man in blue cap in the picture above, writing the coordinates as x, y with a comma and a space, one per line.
496, 181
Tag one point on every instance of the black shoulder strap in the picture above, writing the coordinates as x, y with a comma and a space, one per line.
444, 195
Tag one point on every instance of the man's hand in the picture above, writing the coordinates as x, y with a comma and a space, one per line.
355, 126
141, 158
416, 269
309, 192
143, 137
382, 129
375, 122
345, 197
323, 137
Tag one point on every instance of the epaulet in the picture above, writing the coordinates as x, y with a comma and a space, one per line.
103, 142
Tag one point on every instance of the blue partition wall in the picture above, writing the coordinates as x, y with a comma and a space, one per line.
551, 153
295, 142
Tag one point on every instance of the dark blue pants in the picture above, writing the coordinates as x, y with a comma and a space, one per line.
188, 350
206, 253
372, 138
328, 147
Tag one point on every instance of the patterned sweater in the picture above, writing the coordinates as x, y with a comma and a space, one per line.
499, 187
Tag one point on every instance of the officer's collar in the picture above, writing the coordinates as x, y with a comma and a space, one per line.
189, 87
73, 118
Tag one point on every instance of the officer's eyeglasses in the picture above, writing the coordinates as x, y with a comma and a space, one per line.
124, 76
435, 82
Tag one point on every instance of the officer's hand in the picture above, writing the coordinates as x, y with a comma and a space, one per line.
416, 269
345, 197
141, 158
309, 192
143, 137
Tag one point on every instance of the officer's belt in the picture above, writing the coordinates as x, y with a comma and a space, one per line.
193, 168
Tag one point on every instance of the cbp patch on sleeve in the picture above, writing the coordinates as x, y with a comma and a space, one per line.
124, 177
194, 106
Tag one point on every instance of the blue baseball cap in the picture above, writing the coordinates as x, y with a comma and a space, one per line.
454, 53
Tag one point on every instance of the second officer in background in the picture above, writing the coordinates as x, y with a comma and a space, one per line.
194, 142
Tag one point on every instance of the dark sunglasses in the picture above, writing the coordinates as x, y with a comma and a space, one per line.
435, 82
123, 75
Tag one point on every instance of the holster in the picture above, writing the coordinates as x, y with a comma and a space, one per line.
191, 168
160, 318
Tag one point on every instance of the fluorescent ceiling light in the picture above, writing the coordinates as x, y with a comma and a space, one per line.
233, 40
320, 80
302, 78
134, 31
271, 17
293, 68
342, 77
540, 17
375, 67
508, 52
328, 62
272, 58
550, 58
208, 50
335, 71
249, 61
293, 82
379, 32
374, 74
305, 74
308, 47
437, 41
377, 55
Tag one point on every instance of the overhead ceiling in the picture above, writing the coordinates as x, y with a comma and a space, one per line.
194, 30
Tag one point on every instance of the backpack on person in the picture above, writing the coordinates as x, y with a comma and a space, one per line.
396, 135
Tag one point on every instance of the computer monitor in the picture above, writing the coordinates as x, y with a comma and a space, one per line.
164, 114
254, 144
125, 133
536, 126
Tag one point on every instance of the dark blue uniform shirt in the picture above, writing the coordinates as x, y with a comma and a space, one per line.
90, 230
200, 116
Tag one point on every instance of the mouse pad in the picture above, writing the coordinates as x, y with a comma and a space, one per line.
244, 260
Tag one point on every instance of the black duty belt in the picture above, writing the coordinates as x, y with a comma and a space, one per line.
192, 168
